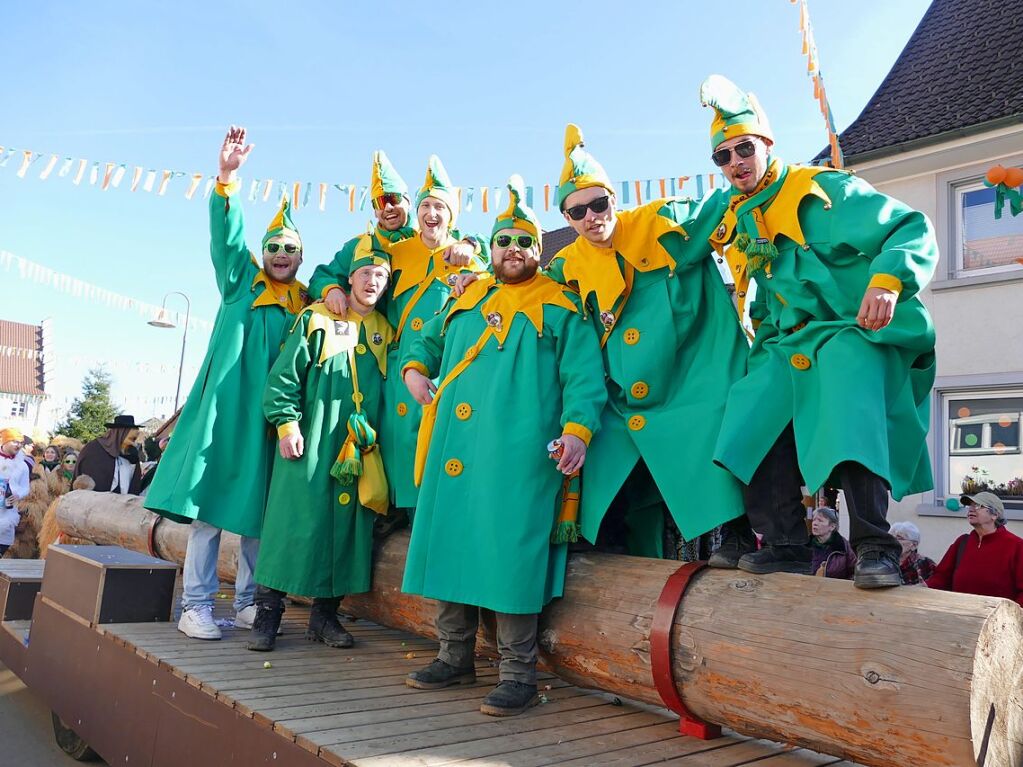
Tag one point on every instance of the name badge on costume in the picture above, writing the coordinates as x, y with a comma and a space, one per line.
343, 328
338, 335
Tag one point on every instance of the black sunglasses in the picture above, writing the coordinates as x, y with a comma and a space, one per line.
722, 157
578, 212
273, 247
524, 241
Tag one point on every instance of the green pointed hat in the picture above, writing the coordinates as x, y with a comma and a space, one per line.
438, 185
518, 215
367, 255
281, 221
580, 170
736, 113
385, 179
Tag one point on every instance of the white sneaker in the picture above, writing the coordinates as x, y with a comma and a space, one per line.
197, 622
244, 617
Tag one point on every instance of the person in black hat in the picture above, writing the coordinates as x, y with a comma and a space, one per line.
113, 459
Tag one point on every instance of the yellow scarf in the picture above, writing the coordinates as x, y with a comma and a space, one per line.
291, 296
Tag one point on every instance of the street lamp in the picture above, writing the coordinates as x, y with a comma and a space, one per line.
163, 320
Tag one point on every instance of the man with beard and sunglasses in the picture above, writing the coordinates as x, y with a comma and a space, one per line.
840, 372
216, 470
519, 367
672, 347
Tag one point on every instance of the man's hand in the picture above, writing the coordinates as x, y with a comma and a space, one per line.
573, 454
337, 301
459, 254
233, 154
420, 387
462, 281
292, 446
877, 309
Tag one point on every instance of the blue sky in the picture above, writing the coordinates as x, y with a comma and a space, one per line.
488, 87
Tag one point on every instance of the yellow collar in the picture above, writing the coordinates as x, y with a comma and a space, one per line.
412, 259
342, 334
636, 239
291, 297
500, 306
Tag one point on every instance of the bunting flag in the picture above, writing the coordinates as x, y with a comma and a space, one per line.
813, 71
108, 175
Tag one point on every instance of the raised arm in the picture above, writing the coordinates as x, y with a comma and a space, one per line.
232, 262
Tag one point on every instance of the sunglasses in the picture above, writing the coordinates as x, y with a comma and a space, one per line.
273, 247
70, 461
578, 212
390, 198
524, 241
722, 157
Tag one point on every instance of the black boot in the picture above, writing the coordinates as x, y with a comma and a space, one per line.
264, 628
440, 674
324, 625
778, 559
876, 569
737, 539
509, 698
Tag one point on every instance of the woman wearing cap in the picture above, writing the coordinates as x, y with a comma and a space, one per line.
987, 561
916, 569
832, 556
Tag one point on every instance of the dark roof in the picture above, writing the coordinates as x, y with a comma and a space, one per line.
555, 240
22, 371
961, 71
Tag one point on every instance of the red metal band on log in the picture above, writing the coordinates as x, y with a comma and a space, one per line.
151, 539
660, 653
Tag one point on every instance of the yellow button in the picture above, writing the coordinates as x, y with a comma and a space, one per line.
463, 411
360, 349
417, 324
358, 397
800, 361
471, 354
402, 408
631, 336
640, 390
344, 499
453, 467
637, 422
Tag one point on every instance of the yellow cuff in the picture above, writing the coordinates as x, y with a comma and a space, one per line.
326, 290
887, 282
227, 190
419, 367
578, 430
288, 429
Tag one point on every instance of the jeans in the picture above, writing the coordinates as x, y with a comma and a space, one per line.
200, 571
516, 640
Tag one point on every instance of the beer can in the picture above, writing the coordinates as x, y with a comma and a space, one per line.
555, 449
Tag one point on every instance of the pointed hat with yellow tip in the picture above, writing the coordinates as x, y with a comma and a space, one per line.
736, 113
384, 178
518, 215
580, 170
366, 255
282, 222
438, 185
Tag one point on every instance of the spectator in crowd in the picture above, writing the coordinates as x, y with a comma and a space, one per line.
113, 459
831, 556
68, 464
916, 569
988, 560
9, 519
14, 472
51, 457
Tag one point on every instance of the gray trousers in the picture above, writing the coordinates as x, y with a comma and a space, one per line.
516, 640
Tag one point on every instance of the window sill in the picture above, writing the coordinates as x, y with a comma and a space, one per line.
1015, 275
934, 510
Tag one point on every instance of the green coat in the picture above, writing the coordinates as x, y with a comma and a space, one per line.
335, 274
317, 537
217, 465
671, 356
851, 394
491, 494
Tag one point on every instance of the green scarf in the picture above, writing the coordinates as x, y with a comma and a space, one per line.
751, 236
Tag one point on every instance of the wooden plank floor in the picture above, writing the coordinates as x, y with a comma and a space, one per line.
351, 707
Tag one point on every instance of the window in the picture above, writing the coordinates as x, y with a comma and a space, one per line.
983, 244
19, 409
982, 444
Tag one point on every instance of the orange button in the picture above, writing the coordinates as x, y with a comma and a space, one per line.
417, 324
471, 354
463, 411
640, 390
453, 467
344, 499
402, 408
637, 422
631, 336
800, 361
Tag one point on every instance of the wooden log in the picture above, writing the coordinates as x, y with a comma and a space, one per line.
886, 678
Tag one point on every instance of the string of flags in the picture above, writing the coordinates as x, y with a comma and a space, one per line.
305, 194
78, 361
813, 71
72, 286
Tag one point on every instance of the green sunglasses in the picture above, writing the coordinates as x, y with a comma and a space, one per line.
524, 241
273, 247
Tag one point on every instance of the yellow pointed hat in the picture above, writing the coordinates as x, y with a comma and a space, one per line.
281, 222
581, 170
384, 178
736, 113
518, 215
438, 185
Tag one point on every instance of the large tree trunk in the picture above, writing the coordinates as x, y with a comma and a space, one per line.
887, 678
